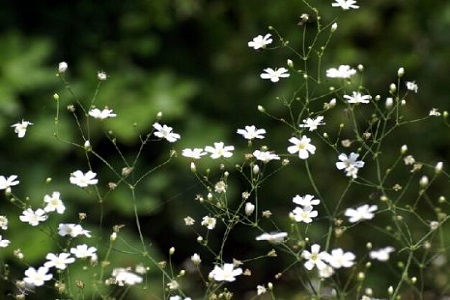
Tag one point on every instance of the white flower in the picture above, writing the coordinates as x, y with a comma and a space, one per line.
344, 71
409, 160
381, 254
220, 150
59, 261
345, 4
338, 259
434, 112
125, 277
326, 272
350, 164
83, 180
225, 273
101, 75
315, 258
21, 128
3, 222
82, 251
165, 132
54, 203
209, 222
303, 147
364, 212
304, 214
307, 200
196, 260
249, 208
33, 217
102, 114
260, 289
195, 153
250, 132
62, 67
4, 243
188, 221
275, 75
37, 277
260, 41
412, 86
73, 230
8, 182
357, 97
312, 123
265, 156
274, 237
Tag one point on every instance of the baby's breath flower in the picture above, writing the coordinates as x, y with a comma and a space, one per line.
6, 183
4, 242
345, 4
101, 75
357, 98
343, 71
274, 75
364, 212
83, 179
165, 132
412, 86
33, 217
303, 146
249, 208
251, 132
209, 222
21, 128
227, 272
188, 221
62, 67
260, 42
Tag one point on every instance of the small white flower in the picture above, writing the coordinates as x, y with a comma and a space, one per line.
102, 76
6, 183
195, 153
3, 242
54, 203
434, 112
37, 277
62, 67
305, 201
165, 132
274, 74
409, 160
364, 212
349, 164
59, 261
249, 208
381, 254
82, 251
260, 41
102, 114
225, 273
357, 97
265, 156
250, 132
274, 237
33, 217
304, 214
83, 179
125, 277
73, 230
260, 289
188, 221
345, 4
312, 124
338, 259
412, 86
196, 260
315, 258
21, 128
302, 146
344, 71
209, 222
326, 272
3, 222
220, 150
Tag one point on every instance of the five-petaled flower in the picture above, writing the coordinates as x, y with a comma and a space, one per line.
364, 212
250, 132
209, 222
83, 251
195, 153
83, 179
345, 4
381, 254
6, 183
350, 164
225, 273
37, 277
54, 203
343, 71
125, 277
304, 214
59, 261
307, 200
73, 230
338, 259
265, 156
165, 132
412, 86
303, 146
102, 114
275, 74
219, 150
357, 97
312, 124
315, 258
21, 128
3, 242
260, 41
33, 217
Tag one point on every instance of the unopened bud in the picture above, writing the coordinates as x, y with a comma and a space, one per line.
62, 67
171, 250
403, 149
249, 208
261, 108
334, 27
290, 63
389, 103
423, 181
438, 167
193, 167
255, 169
400, 72
392, 88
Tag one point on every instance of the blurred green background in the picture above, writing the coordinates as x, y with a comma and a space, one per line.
190, 60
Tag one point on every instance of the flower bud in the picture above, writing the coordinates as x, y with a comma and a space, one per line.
290, 63
193, 167
400, 72
389, 103
255, 169
392, 88
261, 108
55, 97
171, 250
403, 149
334, 27
62, 67
438, 167
249, 208
423, 181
